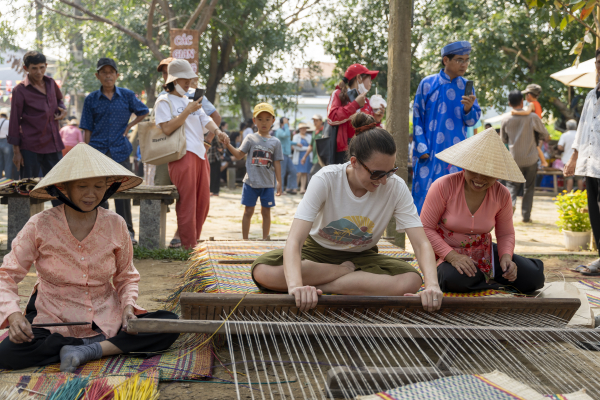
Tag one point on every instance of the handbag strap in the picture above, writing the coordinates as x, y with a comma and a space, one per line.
166, 99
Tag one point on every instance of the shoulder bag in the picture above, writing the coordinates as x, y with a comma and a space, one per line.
156, 147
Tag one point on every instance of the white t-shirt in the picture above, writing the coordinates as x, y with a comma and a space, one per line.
3, 128
194, 124
247, 131
566, 140
342, 221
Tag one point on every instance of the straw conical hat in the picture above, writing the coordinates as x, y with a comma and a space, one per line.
83, 162
485, 154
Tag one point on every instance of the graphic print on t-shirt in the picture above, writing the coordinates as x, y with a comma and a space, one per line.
351, 230
262, 156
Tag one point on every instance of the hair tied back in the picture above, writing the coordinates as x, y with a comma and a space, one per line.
345, 80
363, 128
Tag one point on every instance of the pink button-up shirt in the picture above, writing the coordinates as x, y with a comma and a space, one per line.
74, 278
71, 135
449, 224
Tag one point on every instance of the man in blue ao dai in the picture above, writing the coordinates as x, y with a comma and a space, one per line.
442, 111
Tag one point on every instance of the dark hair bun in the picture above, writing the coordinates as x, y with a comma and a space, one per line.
361, 119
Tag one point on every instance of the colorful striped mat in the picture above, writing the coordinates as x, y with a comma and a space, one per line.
209, 274
594, 300
591, 284
178, 363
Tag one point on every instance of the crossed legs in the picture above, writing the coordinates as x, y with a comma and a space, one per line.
340, 279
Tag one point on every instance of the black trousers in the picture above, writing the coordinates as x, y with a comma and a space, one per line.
215, 177
35, 161
593, 195
123, 206
45, 348
530, 276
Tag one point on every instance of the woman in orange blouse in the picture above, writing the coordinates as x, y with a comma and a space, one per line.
77, 249
462, 209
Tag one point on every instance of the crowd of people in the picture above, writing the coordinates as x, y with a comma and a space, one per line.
462, 189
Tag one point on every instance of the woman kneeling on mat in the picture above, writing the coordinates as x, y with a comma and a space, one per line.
331, 247
77, 249
461, 210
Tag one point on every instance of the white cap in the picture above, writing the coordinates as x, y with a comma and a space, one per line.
180, 69
317, 116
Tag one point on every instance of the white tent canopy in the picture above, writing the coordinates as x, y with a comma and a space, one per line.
582, 76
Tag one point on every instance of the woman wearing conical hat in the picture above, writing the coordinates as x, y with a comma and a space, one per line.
462, 209
78, 248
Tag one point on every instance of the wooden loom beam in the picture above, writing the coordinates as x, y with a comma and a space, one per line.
354, 330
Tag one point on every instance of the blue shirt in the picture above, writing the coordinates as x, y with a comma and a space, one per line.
439, 122
284, 136
107, 120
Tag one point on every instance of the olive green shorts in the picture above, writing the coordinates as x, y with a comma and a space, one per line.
368, 261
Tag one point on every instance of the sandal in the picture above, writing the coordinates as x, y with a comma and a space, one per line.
579, 268
175, 244
593, 269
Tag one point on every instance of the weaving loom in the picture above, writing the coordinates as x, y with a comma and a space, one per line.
353, 345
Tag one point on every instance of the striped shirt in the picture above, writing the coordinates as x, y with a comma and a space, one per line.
519, 132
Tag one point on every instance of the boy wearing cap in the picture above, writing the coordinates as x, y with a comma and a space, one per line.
263, 167
531, 93
105, 123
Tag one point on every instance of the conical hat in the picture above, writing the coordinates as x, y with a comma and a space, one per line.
83, 162
484, 154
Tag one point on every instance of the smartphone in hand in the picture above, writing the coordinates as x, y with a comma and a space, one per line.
198, 94
469, 88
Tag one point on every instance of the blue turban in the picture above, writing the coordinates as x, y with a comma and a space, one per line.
459, 48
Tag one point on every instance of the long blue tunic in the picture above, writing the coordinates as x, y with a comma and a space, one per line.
439, 121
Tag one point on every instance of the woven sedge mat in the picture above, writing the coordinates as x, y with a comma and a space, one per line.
48, 382
207, 274
178, 363
493, 386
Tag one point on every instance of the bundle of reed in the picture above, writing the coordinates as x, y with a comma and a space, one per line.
136, 388
99, 389
12, 394
73, 389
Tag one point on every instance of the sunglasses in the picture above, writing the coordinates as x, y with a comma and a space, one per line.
376, 175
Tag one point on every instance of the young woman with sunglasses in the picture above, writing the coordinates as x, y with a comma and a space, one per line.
332, 244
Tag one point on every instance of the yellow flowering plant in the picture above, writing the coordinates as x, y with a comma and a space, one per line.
572, 213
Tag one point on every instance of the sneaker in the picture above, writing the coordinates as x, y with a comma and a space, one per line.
133, 241
291, 191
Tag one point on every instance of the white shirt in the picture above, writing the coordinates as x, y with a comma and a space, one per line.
566, 140
342, 221
587, 140
194, 124
3, 128
247, 131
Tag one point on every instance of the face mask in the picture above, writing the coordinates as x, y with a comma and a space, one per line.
180, 90
361, 88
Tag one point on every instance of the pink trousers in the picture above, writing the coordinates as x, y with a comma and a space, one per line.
191, 176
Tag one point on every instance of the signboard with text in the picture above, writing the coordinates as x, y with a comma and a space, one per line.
184, 44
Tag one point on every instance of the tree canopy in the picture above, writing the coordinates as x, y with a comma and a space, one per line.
513, 45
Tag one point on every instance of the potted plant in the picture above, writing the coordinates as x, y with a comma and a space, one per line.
573, 219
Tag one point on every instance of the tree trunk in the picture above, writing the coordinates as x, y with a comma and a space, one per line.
39, 27
150, 94
399, 51
246, 109
564, 109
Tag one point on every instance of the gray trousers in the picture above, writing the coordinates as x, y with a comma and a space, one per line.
529, 173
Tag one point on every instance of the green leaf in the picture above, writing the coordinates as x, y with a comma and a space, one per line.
563, 24
557, 4
532, 3
554, 20
579, 5
574, 2
577, 48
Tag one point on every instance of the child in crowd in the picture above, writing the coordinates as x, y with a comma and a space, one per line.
532, 92
263, 168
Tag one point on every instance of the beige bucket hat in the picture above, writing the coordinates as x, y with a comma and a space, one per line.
484, 154
180, 69
83, 162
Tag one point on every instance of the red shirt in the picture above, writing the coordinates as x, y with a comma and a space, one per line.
32, 125
537, 107
340, 115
